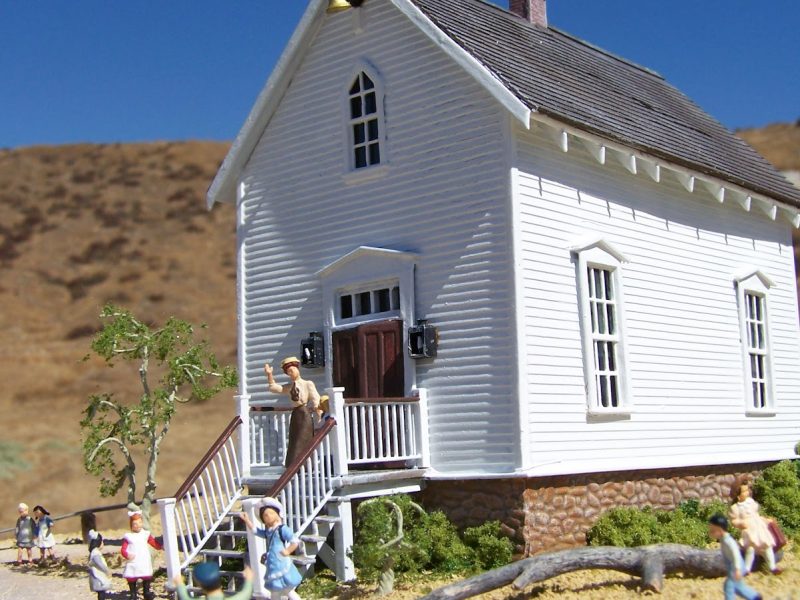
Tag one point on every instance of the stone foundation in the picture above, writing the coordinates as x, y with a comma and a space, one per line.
549, 513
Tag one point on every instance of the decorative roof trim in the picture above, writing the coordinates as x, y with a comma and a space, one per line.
749, 272
365, 251
223, 187
597, 241
720, 190
467, 61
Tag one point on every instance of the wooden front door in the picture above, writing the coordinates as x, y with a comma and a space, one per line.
368, 360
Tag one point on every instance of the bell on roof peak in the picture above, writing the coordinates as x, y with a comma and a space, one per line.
534, 11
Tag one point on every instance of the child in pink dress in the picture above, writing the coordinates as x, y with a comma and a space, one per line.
756, 536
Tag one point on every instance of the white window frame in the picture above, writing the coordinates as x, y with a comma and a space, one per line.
756, 283
600, 254
356, 174
372, 288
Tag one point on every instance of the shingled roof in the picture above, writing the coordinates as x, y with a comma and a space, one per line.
581, 85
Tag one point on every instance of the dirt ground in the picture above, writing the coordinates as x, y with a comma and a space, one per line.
67, 580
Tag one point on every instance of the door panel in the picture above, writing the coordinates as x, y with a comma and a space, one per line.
345, 362
368, 360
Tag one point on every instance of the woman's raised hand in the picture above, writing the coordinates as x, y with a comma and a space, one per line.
268, 370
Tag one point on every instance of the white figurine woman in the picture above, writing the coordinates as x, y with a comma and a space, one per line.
305, 399
756, 536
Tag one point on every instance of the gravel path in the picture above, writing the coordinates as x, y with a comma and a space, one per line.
66, 579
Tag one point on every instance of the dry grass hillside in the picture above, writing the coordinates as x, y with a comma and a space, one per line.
85, 224
82, 225
779, 143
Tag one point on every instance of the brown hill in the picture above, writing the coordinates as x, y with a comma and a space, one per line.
779, 143
83, 225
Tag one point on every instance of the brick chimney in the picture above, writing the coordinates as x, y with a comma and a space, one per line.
534, 11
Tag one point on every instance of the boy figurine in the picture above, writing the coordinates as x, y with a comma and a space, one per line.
207, 575
734, 583
25, 532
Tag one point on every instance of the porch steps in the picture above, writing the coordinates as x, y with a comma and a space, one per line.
229, 545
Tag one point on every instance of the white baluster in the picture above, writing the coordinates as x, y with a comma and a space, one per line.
243, 411
166, 508
255, 548
336, 396
423, 438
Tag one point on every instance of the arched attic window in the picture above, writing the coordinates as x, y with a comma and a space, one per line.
366, 121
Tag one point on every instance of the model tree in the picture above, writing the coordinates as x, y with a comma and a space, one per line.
173, 367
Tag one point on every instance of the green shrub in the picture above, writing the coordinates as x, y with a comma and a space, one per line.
491, 548
777, 490
446, 552
431, 542
628, 526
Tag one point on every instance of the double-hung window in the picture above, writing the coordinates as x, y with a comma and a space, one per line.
599, 278
753, 297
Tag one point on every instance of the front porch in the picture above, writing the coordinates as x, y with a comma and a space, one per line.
380, 435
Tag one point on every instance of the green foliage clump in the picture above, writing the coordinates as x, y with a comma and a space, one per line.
11, 459
628, 526
430, 542
777, 490
489, 545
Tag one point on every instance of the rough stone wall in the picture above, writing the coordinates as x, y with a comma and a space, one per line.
474, 501
549, 513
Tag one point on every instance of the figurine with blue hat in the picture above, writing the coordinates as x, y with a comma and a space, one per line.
207, 576
282, 576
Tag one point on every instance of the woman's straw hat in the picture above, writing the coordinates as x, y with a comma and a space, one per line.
289, 361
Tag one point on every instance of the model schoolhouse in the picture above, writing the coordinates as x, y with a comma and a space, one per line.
535, 279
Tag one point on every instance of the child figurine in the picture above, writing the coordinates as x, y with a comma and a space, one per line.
135, 551
756, 536
25, 532
99, 573
207, 575
44, 532
734, 582
282, 576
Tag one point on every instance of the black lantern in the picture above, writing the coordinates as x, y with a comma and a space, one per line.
422, 340
313, 350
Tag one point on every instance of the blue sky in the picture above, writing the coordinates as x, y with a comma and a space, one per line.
106, 71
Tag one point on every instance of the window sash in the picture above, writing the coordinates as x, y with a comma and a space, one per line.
757, 350
605, 337
365, 122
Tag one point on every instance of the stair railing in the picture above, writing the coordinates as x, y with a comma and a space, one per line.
189, 519
304, 489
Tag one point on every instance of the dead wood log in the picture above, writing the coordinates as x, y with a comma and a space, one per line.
650, 563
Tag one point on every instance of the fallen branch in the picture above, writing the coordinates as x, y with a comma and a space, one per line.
650, 563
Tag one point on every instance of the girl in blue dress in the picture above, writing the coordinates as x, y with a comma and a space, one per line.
282, 576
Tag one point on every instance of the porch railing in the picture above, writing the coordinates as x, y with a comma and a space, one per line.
189, 519
376, 430
269, 432
382, 430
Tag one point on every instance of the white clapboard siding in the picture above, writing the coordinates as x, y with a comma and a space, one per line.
444, 196
684, 355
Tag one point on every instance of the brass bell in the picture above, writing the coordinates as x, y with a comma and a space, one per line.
335, 6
